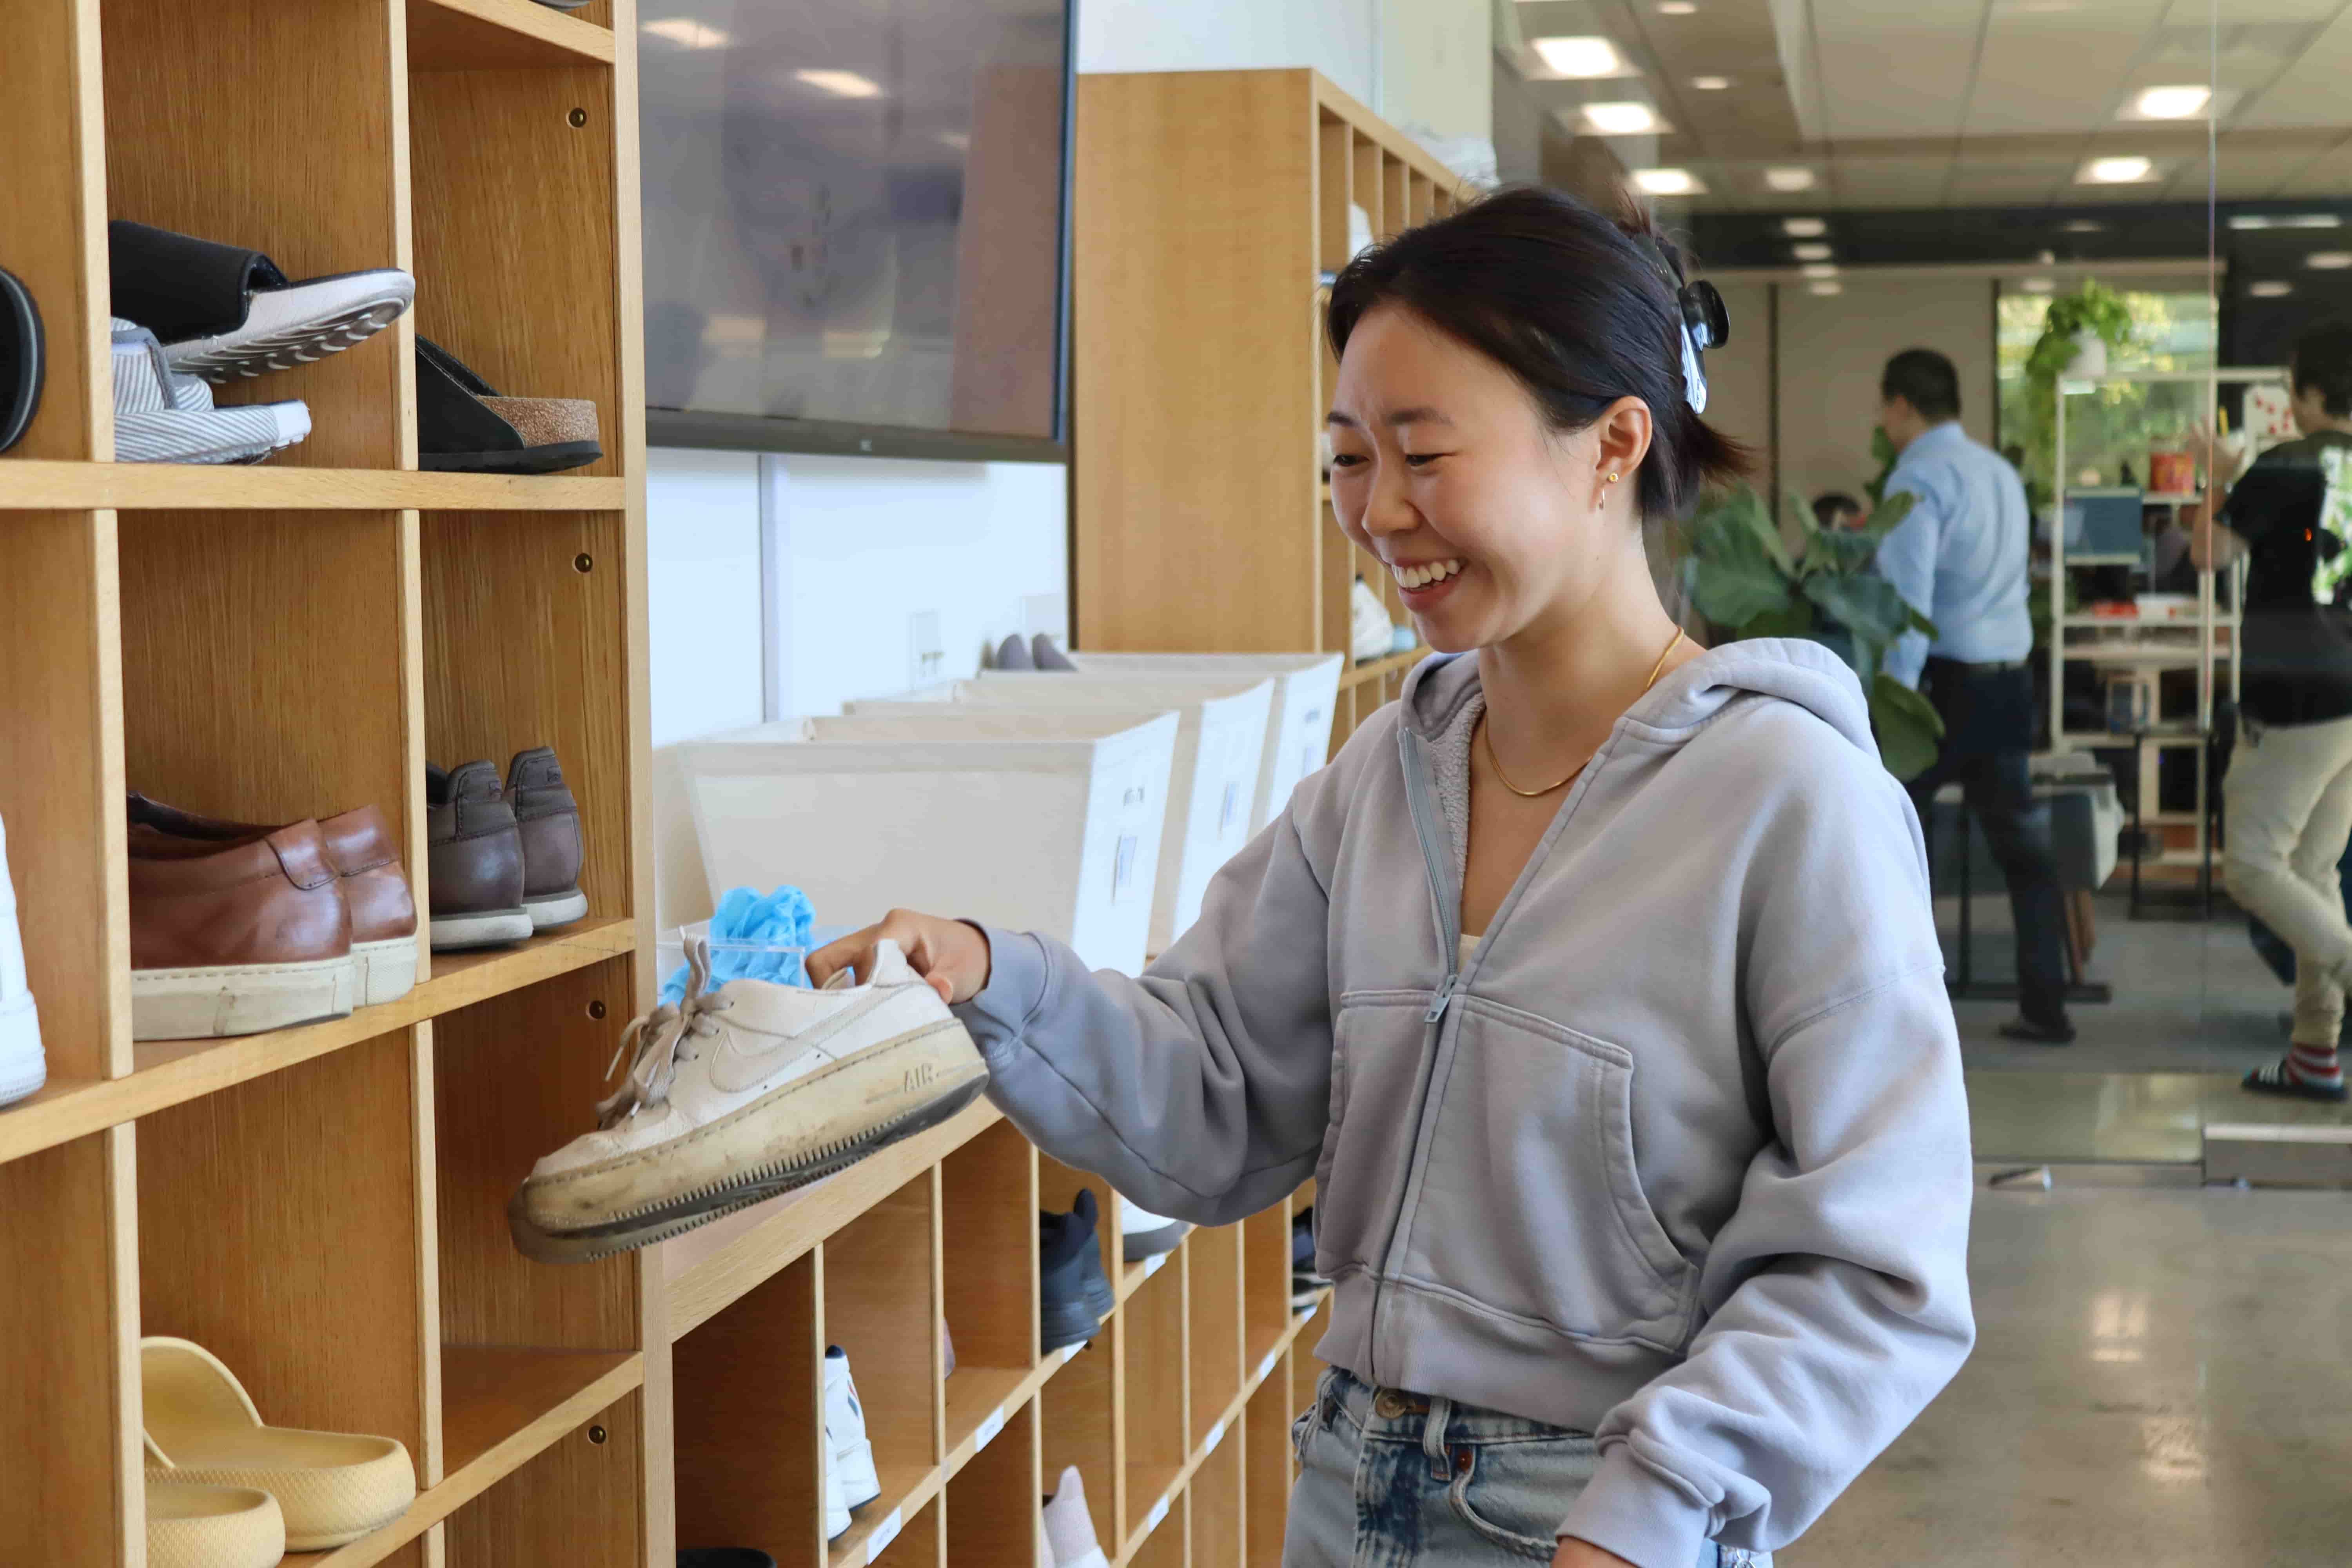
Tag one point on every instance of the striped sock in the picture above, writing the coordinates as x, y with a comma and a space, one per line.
2315, 1065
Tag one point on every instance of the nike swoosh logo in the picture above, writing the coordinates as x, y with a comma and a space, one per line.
734, 1070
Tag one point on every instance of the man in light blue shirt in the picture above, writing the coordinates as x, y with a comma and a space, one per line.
1961, 559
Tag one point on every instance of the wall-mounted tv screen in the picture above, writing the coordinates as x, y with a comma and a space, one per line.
856, 220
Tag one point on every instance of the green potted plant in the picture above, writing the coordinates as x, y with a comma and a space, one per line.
1746, 580
2078, 334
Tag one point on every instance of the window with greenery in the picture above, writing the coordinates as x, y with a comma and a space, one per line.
2173, 328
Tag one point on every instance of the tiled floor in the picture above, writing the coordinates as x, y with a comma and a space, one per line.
2032, 1117
2162, 1379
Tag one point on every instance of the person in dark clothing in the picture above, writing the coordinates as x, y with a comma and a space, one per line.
2289, 789
1959, 557
1835, 509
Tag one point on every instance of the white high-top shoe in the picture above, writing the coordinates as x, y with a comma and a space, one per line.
22, 1067
851, 1480
743, 1092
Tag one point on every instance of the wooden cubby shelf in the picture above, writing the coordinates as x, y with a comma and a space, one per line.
31, 485
463, 34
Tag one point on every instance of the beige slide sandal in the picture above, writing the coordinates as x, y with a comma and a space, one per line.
332, 1486
212, 1527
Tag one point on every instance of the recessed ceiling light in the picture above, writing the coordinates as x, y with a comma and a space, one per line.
2288, 220
1803, 228
2084, 226
1626, 119
2037, 286
2183, 103
841, 84
1818, 270
2271, 288
687, 33
1815, 252
1669, 182
1825, 286
1711, 83
1676, 8
2328, 261
1582, 57
2128, 171
1788, 182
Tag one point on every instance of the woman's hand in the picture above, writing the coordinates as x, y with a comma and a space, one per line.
950, 955
1575, 1554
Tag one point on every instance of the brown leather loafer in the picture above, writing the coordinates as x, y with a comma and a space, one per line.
549, 819
236, 936
474, 862
366, 855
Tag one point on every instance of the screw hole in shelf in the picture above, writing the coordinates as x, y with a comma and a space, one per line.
597, 1434
595, 1009
583, 562
579, 117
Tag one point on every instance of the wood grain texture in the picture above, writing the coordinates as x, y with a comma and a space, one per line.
26, 484
1212, 1323
1218, 1515
1194, 245
1265, 1282
1365, 178
881, 1306
516, 239
1396, 196
61, 783
577, 1503
297, 107
515, 1076
1266, 1455
1154, 1363
989, 1189
59, 1395
1166, 1544
53, 210
236, 1195
748, 1410
991, 1512
491, 34
525, 649
1080, 1426
1332, 192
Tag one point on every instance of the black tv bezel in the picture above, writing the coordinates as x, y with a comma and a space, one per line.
710, 430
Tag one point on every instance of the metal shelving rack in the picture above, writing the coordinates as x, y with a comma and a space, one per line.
2220, 604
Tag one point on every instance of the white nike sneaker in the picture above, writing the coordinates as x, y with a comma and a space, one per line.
849, 1456
738, 1094
1143, 1233
836, 1512
22, 1067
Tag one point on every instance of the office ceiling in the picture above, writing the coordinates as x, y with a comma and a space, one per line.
1966, 103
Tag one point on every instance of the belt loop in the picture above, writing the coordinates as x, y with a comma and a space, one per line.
1432, 1438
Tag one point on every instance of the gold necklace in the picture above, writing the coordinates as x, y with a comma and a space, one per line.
1487, 734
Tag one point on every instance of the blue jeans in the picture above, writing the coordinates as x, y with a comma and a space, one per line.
1390, 1480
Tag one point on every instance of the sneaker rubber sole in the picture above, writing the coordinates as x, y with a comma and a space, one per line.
549, 910
1061, 1324
387, 969
287, 327
208, 1001
483, 928
882, 1072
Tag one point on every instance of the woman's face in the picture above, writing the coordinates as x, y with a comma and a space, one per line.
1489, 521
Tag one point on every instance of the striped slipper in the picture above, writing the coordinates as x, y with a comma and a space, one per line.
223, 311
161, 416
2275, 1079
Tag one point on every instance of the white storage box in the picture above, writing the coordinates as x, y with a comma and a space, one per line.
1212, 786
1047, 822
1298, 726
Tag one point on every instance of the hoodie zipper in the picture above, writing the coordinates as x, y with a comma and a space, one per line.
1428, 827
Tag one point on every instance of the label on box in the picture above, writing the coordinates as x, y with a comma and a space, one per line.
988, 1430
1265, 1367
1216, 1436
1308, 1310
884, 1534
1152, 1264
1152, 1520
1069, 1352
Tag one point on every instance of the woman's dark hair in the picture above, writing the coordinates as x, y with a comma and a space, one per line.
1580, 309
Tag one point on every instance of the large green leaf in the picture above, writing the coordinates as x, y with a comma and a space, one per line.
1794, 621
1839, 551
1872, 608
1732, 592
1749, 508
1909, 729
1888, 515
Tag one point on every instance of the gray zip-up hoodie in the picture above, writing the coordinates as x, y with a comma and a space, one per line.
1679, 1157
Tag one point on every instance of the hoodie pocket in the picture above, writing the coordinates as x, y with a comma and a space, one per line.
1377, 1049
1531, 1204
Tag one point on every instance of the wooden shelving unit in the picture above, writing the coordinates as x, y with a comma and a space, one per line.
1210, 206
324, 1207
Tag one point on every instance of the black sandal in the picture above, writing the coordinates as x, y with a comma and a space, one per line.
22, 365
462, 425
2274, 1080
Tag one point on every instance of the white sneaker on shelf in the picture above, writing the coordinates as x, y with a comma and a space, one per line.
22, 1067
836, 1512
849, 1455
743, 1092
1371, 633
1143, 1233
1070, 1528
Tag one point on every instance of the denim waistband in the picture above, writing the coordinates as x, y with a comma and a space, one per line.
1393, 1415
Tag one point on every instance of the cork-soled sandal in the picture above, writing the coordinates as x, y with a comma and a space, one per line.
463, 425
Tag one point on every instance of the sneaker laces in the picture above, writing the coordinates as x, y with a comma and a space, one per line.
656, 1042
